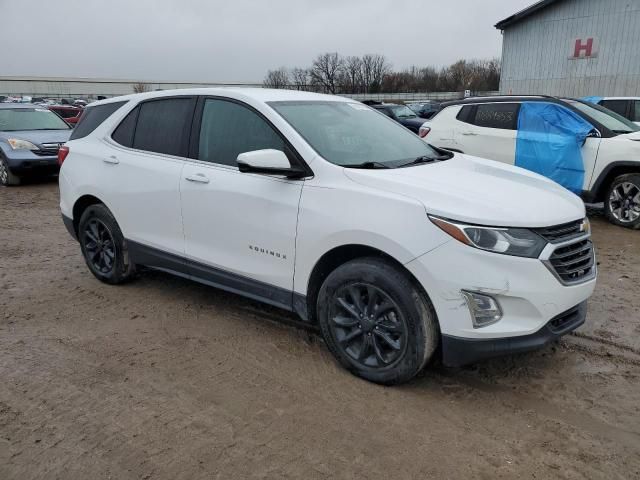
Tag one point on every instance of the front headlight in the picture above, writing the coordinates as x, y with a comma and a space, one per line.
519, 242
18, 144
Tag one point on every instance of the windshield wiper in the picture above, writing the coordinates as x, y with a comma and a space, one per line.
425, 159
368, 165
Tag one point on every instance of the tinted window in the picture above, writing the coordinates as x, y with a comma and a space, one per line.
92, 117
14, 119
497, 115
618, 106
163, 126
229, 129
464, 115
123, 134
635, 111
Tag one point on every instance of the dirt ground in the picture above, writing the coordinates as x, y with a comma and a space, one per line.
168, 379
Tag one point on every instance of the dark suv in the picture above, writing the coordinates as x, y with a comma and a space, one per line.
401, 114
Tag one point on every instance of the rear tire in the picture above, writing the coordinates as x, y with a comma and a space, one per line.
376, 322
103, 246
622, 202
7, 178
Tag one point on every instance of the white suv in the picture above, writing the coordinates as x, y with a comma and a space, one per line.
489, 128
323, 206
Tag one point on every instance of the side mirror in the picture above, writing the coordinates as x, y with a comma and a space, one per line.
268, 162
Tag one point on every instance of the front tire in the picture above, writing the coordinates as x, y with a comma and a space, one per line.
103, 246
622, 203
376, 322
7, 178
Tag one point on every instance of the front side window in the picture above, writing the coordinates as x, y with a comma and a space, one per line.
229, 129
497, 115
15, 119
618, 106
163, 126
350, 134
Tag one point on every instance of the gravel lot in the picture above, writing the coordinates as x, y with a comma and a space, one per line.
168, 379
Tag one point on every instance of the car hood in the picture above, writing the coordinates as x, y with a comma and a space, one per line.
631, 136
38, 136
479, 191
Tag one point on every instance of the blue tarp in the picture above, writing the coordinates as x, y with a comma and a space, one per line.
595, 100
549, 142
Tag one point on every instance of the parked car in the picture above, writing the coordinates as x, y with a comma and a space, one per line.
628, 107
488, 127
398, 247
70, 114
424, 110
30, 137
401, 114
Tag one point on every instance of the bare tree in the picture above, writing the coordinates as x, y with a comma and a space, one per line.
352, 74
374, 68
300, 78
277, 78
141, 87
326, 70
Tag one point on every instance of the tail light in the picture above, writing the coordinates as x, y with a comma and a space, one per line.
424, 131
62, 154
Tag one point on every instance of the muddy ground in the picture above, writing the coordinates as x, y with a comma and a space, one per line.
168, 379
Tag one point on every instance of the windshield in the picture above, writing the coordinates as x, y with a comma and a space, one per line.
349, 134
14, 119
614, 122
402, 111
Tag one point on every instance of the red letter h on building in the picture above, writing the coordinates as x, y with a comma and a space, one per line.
587, 48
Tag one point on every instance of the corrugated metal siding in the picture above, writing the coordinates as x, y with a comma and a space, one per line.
536, 52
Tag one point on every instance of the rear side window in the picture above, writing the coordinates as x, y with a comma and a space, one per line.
618, 106
124, 133
229, 129
163, 126
465, 114
497, 115
635, 111
92, 117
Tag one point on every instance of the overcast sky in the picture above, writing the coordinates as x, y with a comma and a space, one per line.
237, 40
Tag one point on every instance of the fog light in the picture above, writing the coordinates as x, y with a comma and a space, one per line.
484, 309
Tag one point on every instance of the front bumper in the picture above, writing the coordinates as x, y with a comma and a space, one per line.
457, 352
529, 295
24, 163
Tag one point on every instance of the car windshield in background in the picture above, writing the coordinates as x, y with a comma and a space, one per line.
15, 119
352, 134
614, 122
402, 111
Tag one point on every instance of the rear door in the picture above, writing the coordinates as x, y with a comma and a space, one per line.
239, 228
143, 169
489, 131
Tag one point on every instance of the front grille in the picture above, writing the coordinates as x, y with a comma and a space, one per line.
573, 263
48, 150
562, 233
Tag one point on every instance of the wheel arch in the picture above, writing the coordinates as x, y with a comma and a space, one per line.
331, 260
80, 205
612, 171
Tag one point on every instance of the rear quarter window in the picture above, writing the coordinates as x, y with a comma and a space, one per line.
92, 118
497, 115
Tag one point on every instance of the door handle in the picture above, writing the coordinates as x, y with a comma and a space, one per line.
111, 159
470, 134
198, 178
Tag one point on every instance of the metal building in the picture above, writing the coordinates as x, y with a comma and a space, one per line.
572, 47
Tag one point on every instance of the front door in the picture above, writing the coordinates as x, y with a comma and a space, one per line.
240, 228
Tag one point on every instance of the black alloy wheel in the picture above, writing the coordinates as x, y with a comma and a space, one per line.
368, 325
99, 246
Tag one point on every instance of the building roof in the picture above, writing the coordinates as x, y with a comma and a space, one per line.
522, 14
